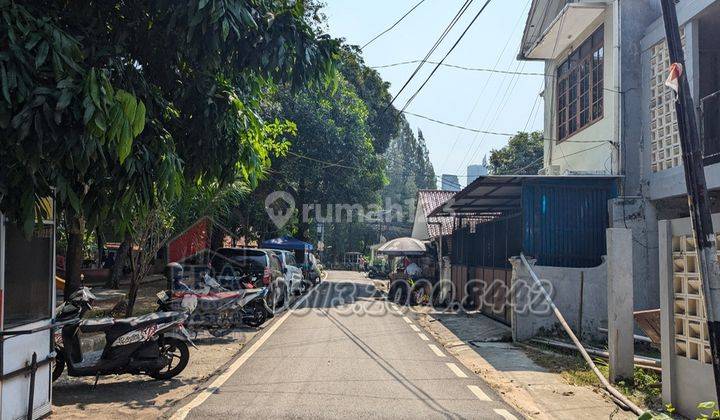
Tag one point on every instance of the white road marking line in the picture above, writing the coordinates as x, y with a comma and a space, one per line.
504, 413
406, 319
436, 350
220, 380
456, 370
414, 328
394, 306
424, 337
479, 393
399, 312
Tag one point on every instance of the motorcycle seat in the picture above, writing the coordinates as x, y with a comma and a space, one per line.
125, 325
221, 297
153, 318
96, 325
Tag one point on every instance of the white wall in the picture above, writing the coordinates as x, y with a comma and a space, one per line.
571, 156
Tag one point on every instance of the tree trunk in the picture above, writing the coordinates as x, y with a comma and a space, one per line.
73, 254
100, 247
121, 259
132, 294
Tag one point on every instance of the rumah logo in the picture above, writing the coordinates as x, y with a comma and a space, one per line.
280, 206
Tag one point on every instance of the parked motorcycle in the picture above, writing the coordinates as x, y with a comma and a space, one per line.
216, 309
153, 344
376, 273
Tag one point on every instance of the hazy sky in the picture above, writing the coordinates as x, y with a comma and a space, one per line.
481, 100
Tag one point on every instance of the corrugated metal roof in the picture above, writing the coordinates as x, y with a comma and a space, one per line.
429, 200
497, 194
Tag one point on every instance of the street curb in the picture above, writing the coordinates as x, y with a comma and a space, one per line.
511, 393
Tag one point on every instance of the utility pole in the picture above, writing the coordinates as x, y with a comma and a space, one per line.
698, 198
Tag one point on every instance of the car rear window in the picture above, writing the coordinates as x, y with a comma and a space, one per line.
229, 260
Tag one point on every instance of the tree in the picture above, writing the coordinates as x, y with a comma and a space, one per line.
409, 170
522, 156
332, 159
109, 107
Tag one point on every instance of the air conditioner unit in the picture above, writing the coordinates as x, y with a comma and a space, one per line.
552, 170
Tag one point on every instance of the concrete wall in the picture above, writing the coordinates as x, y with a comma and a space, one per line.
532, 316
639, 215
669, 182
685, 382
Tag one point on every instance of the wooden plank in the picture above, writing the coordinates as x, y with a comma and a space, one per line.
649, 322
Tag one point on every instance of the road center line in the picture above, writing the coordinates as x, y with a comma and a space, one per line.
504, 413
479, 393
436, 350
406, 319
220, 380
456, 370
414, 328
424, 337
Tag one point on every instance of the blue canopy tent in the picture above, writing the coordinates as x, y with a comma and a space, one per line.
287, 243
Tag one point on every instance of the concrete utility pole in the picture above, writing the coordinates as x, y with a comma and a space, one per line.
698, 198
621, 342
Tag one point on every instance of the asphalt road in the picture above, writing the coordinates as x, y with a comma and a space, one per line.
345, 352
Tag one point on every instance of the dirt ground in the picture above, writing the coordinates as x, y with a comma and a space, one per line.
142, 397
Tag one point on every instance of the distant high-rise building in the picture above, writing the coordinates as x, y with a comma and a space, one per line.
476, 171
450, 183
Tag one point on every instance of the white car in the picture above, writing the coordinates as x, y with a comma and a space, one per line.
293, 274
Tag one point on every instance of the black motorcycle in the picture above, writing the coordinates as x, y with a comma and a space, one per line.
377, 273
216, 309
153, 344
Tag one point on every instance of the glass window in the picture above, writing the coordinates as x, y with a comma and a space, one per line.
580, 87
28, 275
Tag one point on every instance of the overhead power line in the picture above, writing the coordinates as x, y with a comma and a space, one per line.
437, 43
496, 133
393, 25
472, 22
455, 66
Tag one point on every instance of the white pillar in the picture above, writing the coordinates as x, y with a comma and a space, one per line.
620, 303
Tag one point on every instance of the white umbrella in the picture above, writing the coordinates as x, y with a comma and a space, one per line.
403, 246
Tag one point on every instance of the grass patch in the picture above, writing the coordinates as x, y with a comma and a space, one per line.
644, 390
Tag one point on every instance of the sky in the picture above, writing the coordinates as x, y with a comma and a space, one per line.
480, 100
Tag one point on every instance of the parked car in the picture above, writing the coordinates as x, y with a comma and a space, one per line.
230, 265
293, 273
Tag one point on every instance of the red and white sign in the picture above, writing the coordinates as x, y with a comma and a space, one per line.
673, 80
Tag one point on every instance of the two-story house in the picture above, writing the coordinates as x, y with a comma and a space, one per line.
607, 110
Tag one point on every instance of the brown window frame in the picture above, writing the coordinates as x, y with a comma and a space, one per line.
580, 86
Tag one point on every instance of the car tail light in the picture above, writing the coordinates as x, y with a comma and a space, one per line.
266, 276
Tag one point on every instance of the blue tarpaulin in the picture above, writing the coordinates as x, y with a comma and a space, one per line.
287, 243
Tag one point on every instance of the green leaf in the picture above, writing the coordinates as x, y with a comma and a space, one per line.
225, 29
708, 405
5, 86
64, 100
73, 199
125, 144
202, 4
89, 111
41, 54
138, 123
94, 89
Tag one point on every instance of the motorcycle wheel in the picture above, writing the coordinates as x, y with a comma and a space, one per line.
420, 294
399, 292
178, 353
258, 316
58, 365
